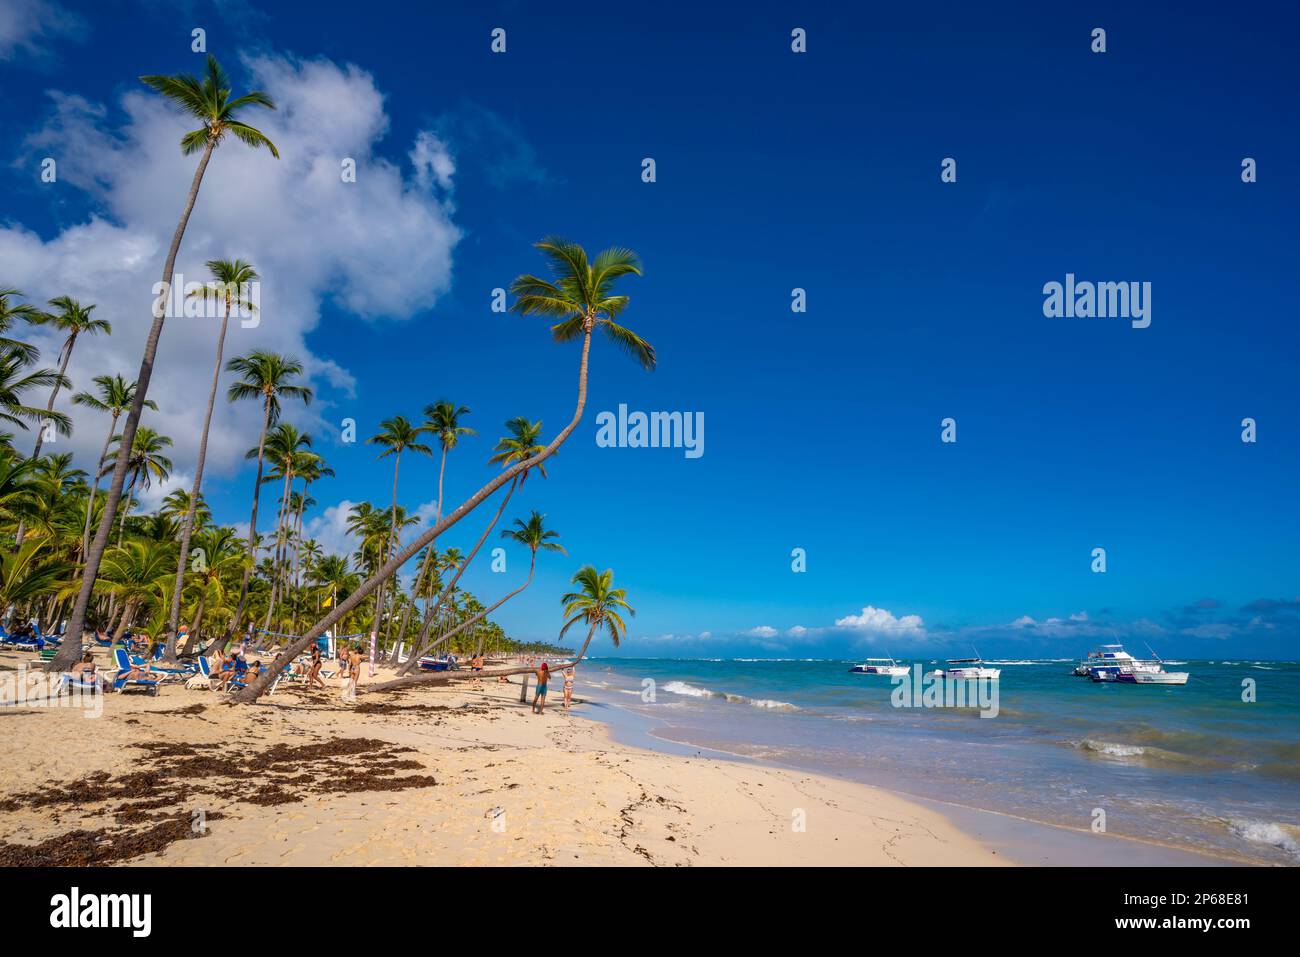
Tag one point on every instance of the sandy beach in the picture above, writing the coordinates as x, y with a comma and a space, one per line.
431, 776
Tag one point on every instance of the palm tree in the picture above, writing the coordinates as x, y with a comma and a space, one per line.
580, 296
19, 490
286, 448
115, 397
229, 287
520, 445
209, 101
144, 463
397, 435
535, 536
266, 377
11, 312
15, 380
133, 573
179, 503
597, 604
30, 572
223, 556
74, 319
442, 418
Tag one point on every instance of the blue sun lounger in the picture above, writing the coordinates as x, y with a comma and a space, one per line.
122, 682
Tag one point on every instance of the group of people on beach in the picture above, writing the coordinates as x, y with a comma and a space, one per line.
543, 681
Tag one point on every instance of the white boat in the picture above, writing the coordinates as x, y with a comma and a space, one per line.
968, 669
1109, 660
1153, 678
880, 666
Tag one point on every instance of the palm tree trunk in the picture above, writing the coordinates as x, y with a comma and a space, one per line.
121, 530
388, 543
261, 684
450, 590
193, 638
252, 528
276, 574
94, 489
187, 529
487, 611
70, 649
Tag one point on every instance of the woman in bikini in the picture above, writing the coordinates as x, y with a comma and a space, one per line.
568, 688
313, 673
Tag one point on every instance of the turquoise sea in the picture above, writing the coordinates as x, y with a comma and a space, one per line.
1193, 766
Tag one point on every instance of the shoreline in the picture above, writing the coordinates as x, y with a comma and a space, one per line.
439, 775
1022, 840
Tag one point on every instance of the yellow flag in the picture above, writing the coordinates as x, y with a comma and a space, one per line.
329, 601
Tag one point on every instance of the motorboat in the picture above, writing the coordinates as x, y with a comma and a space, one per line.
1152, 678
1109, 660
968, 669
880, 666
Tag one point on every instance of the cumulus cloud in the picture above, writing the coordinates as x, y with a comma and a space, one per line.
762, 631
873, 620
380, 247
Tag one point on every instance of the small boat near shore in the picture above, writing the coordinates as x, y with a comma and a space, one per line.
1153, 678
1109, 660
880, 666
969, 669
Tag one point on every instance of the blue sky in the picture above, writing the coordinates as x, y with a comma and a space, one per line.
775, 170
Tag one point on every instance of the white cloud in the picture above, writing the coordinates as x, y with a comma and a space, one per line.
762, 631
874, 620
379, 247
27, 27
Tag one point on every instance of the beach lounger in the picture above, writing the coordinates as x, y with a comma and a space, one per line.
122, 682
69, 684
201, 680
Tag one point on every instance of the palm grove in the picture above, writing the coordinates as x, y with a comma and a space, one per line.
74, 549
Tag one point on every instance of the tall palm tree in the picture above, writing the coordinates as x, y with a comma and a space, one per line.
231, 278
266, 376
580, 297
115, 397
597, 605
397, 435
209, 101
442, 418
75, 320
532, 534
11, 312
286, 449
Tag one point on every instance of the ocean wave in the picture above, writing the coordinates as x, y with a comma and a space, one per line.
691, 691
681, 687
1110, 748
1281, 836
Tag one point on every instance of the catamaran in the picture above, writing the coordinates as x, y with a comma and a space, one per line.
880, 666
969, 669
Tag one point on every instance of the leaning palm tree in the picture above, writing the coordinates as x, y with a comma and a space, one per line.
266, 377
532, 534
229, 288
398, 435
597, 605
115, 397
580, 297
74, 319
209, 101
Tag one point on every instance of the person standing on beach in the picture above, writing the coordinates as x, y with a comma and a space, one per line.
568, 688
539, 700
476, 666
313, 674
354, 671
